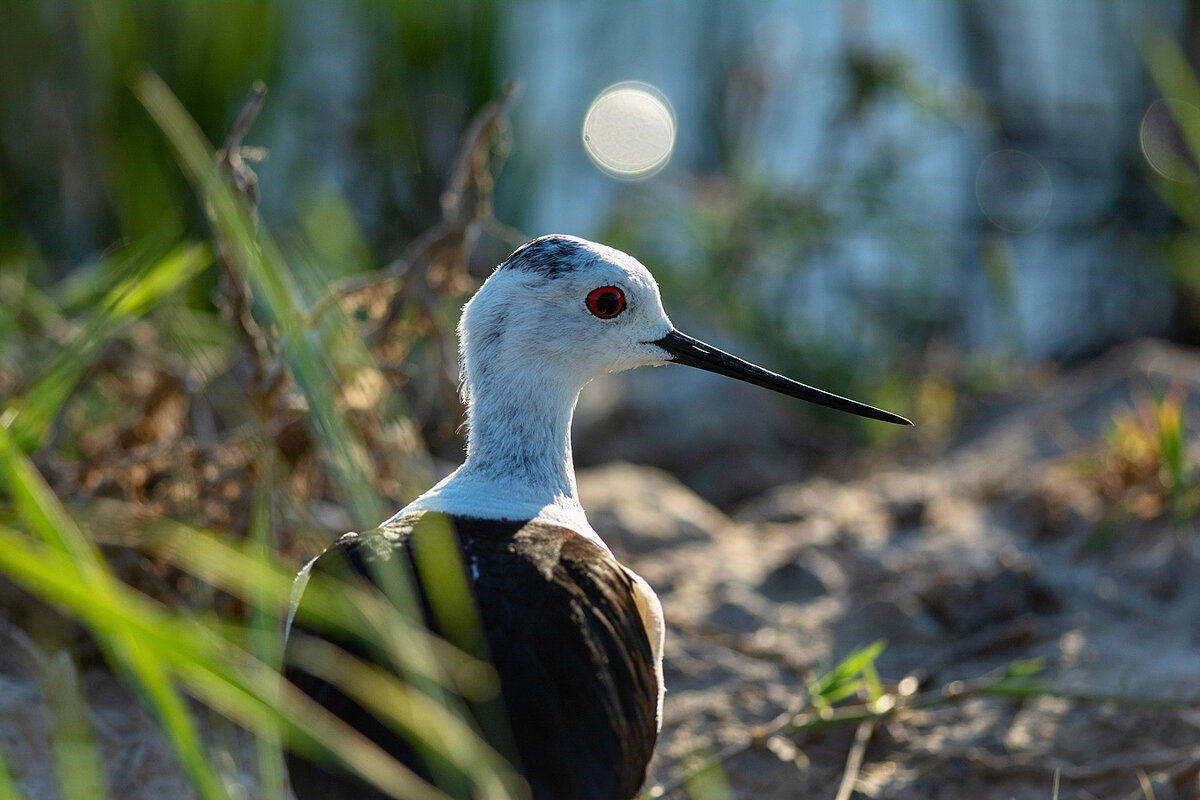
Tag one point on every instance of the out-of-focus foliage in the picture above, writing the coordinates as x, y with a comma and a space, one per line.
145, 367
1143, 471
82, 166
257, 413
165, 367
1179, 146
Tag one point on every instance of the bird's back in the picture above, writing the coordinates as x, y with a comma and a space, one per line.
563, 632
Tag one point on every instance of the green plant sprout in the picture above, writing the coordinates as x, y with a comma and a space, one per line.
873, 701
1143, 470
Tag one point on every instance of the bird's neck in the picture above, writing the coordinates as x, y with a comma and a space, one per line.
519, 435
518, 464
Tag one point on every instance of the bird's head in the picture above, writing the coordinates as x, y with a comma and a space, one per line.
562, 309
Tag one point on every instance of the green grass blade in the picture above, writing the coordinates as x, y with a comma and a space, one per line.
852, 674
37, 505
261, 578
1173, 75
8, 785
171, 711
146, 284
78, 763
441, 570
266, 640
709, 782
138, 294
44, 514
860, 659
256, 257
141, 630
233, 682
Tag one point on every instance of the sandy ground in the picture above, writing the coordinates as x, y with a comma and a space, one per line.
967, 564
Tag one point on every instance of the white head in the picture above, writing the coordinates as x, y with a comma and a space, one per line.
563, 310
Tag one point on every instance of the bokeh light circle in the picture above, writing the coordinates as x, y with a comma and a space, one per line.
1013, 190
629, 130
1162, 143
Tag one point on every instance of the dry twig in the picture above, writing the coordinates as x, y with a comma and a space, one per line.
854, 759
435, 263
234, 298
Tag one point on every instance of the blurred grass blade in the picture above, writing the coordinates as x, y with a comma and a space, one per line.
170, 709
437, 556
1173, 75
873, 684
145, 284
438, 561
78, 763
248, 691
8, 785
257, 258
137, 294
256, 697
266, 641
450, 745
44, 514
347, 607
37, 505
710, 782
860, 659
218, 676
1025, 668
1019, 679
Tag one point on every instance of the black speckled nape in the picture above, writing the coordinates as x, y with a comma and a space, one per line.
551, 256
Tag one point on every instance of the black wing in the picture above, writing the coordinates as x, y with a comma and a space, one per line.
563, 632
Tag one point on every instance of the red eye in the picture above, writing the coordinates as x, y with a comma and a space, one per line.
606, 302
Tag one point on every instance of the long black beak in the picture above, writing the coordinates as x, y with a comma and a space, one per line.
694, 353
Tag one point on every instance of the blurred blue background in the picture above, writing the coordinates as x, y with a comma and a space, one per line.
912, 201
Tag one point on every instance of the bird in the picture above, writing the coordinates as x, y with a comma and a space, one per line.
575, 637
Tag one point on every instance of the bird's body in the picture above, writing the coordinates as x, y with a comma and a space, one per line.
575, 637
564, 634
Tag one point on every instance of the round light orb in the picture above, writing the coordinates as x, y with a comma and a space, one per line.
1013, 190
629, 130
1163, 142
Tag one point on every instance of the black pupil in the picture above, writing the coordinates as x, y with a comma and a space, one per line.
608, 304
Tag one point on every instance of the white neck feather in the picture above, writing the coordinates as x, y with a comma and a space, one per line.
519, 463
519, 431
